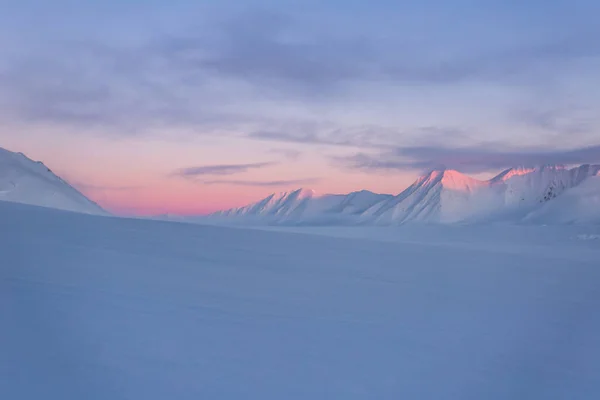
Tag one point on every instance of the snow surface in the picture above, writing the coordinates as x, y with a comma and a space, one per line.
442, 196
23, 180
106, 308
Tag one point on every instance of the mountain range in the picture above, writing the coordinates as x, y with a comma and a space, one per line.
546, 194
553, 193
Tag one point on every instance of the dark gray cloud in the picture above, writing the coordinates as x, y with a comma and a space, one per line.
291, 182
223, 169
467, 159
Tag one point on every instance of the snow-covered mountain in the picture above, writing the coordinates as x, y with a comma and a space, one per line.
304, 206
447, 196
23, 180
442, 196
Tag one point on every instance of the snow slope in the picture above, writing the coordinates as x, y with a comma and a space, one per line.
578, 205
442, 196
106, 308
538, 185
25, 181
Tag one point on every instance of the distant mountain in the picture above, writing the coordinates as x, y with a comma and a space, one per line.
304, 206
441, 196
23, 180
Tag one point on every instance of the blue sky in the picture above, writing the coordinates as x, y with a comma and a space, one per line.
341, 95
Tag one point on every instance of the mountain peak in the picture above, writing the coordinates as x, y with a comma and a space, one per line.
448, 178
304, 193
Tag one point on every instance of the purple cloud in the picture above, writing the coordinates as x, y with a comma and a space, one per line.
221, 169
467, 159
291, 182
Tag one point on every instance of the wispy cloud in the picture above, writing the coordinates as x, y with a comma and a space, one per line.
369, 136
290, 154
103, 188
560, 120
466, 159
220, 169
360, 136
291, 182
299, 137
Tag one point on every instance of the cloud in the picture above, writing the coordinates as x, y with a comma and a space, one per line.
260, 46
370, 136
101, 188
221, 169
360, 136
277, 50
290, 154
466, 159
565, 120
299, 137
291, 182
207, 74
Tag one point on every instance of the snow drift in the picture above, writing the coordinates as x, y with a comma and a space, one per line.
23, 180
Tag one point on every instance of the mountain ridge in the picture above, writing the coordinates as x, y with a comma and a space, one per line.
440, 196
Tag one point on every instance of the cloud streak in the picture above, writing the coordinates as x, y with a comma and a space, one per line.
220, 169
369, 136
290, 182
466, 159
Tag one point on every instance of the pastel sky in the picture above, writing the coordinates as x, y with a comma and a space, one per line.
154, 106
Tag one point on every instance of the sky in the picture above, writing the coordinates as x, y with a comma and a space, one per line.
187, 107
